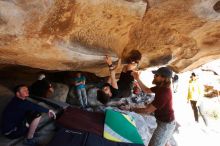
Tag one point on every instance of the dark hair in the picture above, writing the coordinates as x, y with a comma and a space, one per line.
134, 56
77, 73
102, 97
193, 74
18, 88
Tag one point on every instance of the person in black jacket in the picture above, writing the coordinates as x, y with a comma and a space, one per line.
21, 117
42, 87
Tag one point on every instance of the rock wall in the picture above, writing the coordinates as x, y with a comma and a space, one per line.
73, 35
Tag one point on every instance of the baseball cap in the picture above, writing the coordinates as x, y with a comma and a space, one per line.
164, 71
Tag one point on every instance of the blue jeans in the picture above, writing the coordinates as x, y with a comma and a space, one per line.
162, 133
81, 93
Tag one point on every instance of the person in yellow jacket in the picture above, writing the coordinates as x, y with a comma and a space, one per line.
194, 97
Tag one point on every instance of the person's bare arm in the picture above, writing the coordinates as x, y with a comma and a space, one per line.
112, 72
113, 79
136, 75
52, 114
109, 80
147, 110
51, 88
77, 83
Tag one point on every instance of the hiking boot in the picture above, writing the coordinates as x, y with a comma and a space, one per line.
31, 142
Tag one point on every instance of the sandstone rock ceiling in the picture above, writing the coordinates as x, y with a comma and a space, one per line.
76, 34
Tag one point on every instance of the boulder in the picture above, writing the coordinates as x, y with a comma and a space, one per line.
5, 96
76, 34
60, 92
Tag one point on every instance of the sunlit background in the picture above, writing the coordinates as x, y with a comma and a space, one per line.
189, 132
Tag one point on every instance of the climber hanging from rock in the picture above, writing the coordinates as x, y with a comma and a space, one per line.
122, 87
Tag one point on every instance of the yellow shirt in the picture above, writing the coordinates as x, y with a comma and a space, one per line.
194, 90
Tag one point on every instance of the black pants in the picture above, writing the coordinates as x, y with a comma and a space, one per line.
197, 110
21, 129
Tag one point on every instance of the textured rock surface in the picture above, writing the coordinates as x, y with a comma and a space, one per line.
60, 92
76, 34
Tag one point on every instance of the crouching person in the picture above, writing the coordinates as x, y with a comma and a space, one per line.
21, 117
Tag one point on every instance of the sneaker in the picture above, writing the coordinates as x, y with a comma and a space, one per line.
31, 142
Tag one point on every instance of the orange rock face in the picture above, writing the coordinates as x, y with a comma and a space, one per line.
76, 34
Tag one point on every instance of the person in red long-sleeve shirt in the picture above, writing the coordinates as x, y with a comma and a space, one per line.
162, 105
